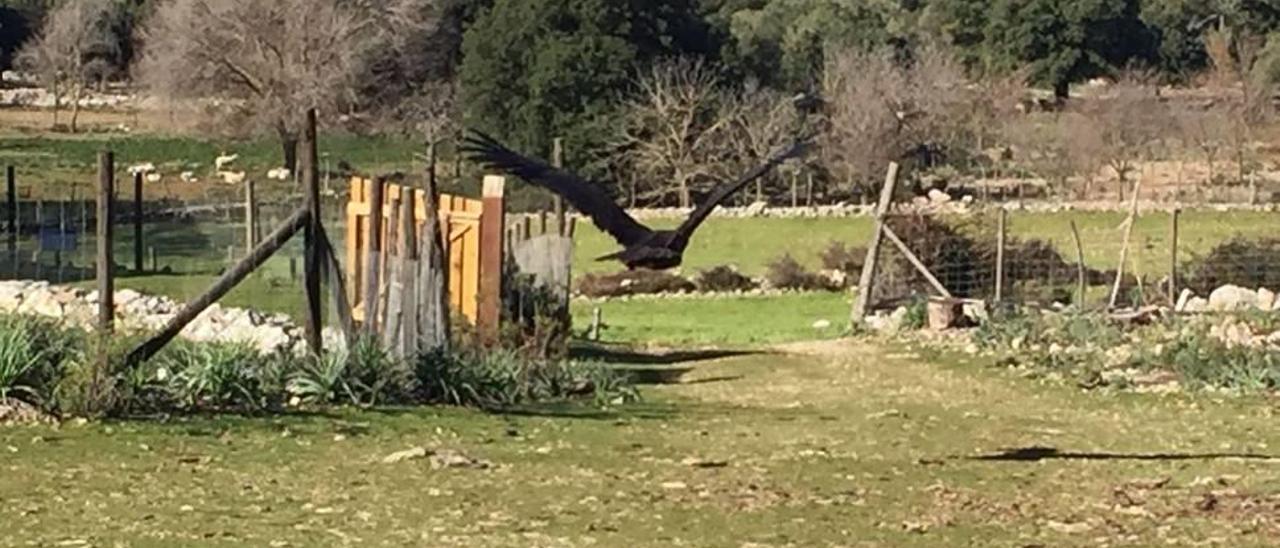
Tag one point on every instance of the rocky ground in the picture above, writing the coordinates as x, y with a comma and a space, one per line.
136, 312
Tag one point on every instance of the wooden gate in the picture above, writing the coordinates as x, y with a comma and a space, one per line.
460, 219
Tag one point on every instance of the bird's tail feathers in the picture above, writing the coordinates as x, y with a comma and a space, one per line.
610, 257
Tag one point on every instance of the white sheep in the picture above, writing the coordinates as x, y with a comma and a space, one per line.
221, 162
279, 174
153, 177
142, 168
232, 177
189, 177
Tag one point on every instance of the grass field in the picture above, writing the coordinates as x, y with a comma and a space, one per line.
843, 445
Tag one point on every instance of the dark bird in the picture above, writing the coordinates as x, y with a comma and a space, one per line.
642, 247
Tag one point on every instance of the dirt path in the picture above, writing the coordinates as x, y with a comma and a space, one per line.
836, 444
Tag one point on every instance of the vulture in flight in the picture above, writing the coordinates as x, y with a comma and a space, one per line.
642, 247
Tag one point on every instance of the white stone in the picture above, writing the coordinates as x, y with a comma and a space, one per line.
939, 197
1230, 297
1196, 304
1266, 299
756, 209
822, 324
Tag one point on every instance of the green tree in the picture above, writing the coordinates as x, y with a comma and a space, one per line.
533, 70
1066, 41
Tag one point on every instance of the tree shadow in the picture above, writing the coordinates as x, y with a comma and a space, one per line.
1038, 454
632, 356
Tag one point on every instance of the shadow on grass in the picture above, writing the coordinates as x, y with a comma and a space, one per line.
572, 410
631, 356
1037, 454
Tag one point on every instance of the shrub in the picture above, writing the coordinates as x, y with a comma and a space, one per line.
848, 259
214, 375
34, 353
502, 379
1239, 261
785, 273
366, 375
536, 319
723, 278
632, 282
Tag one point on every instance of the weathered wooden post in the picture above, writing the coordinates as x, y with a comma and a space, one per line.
1001, 228
1080, 273
314, 259
373, 274
250, 215
597, 318
155, 261
557, 161
11, 211
492, 221
1173, 256
870, 266
106, 261
138, 244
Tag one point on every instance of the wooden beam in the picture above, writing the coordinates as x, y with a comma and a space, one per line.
106, 256
251, 234
373, 255
1081, 284
871, 264
1124, 248
915, 261
220, 288
314, 259
492, 221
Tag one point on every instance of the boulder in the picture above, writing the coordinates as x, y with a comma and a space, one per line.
11, 294
1266, 299
756, 209
1231, 298
1196, 304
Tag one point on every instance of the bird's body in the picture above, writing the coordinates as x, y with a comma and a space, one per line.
642, 247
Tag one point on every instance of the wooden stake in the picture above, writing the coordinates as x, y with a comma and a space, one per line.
1124, 249
871, 265
106, 257
138, 243
1000, 243
795, 198
250, 215
1173, 256
1080, 273
155, 262
314, 259
597, 318
11, 212
492, 221
220, 288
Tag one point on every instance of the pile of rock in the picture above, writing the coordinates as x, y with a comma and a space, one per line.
145, 313
1229, 298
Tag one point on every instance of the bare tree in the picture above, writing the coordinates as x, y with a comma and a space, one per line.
75, 47
763, 121
1129, 120
676, 128
880, 109
263, 61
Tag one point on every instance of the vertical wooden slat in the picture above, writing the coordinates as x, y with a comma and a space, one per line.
492, 221
353, 241
373, 253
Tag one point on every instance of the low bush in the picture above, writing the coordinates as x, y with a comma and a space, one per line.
786, 273
215, 376
498, 379
34, 352
632, 282
723, 278
843, 258
365, 374
1239, 261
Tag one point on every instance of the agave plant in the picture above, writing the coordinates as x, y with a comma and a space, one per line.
20, 354
215, 374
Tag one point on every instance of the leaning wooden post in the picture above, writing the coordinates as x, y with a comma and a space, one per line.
1124, 248
106, 282
557, 161
1173, 256
250, 215
1000, 243
492, 221
11, 212
372, 271
138, 243
314, 261
870, 266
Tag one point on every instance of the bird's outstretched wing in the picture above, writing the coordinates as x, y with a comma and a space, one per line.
724, 190
584, 196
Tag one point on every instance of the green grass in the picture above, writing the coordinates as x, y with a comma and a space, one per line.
744, 321
848, 446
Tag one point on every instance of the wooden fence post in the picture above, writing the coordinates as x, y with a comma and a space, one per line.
313, 261
250, 215
492, 221
373, 253
138, 244
1173, 256
106, 260
11, 212
1001, 229
557, 161
1080, 273
155, 262
869, 266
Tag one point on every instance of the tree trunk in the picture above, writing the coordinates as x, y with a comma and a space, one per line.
57, 104
1062, 90
75, 106
289, 147
684, 193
